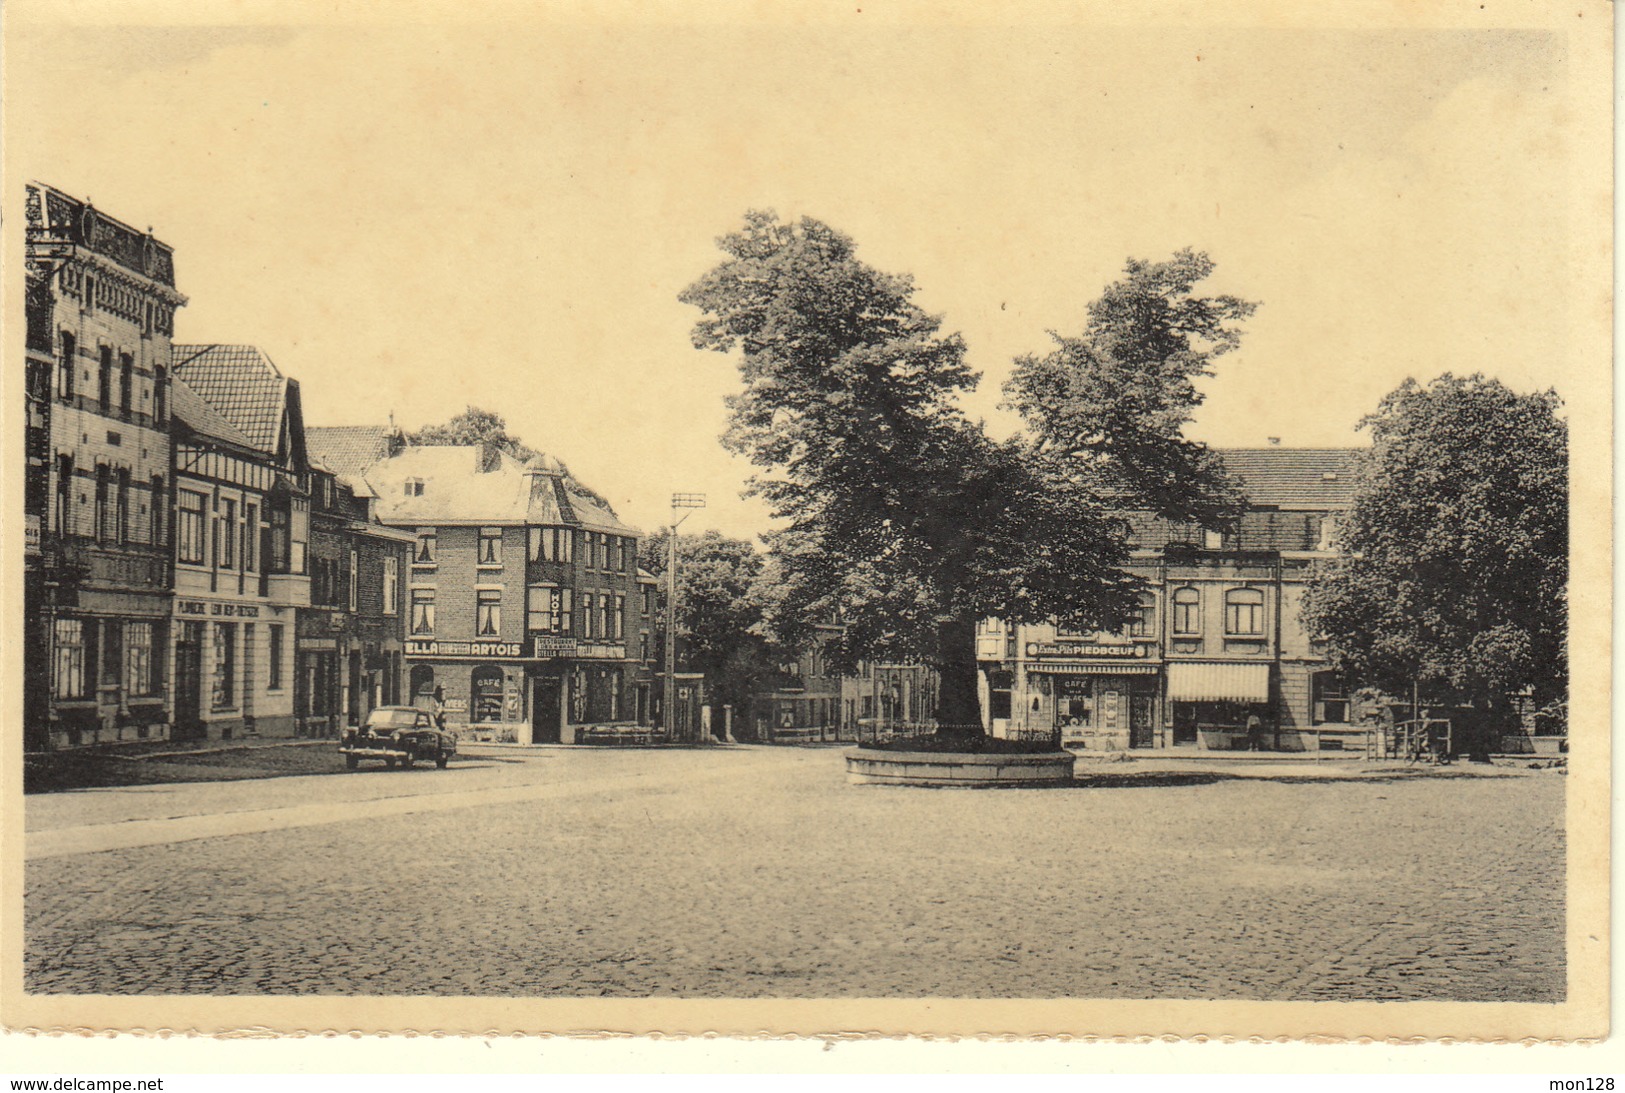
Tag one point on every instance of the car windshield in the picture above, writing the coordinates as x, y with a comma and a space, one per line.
391, 719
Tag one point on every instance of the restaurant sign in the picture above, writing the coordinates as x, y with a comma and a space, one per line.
1085, 649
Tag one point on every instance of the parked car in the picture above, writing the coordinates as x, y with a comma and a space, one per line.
398, 734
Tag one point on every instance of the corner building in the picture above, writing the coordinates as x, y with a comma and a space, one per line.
523, 601
100, 313
1217, 638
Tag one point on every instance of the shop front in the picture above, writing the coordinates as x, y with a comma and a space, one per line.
1221, 706
1105, 707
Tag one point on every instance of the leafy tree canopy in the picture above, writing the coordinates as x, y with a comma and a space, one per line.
1454, 566
904, 519
479, 426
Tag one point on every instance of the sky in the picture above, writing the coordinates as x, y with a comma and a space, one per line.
417, 216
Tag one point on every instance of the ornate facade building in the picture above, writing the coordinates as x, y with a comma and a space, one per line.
101, 304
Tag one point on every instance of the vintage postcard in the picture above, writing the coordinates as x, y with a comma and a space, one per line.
887, 519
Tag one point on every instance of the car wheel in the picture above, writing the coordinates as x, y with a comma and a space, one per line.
441, 760
352, 761
390, 763
407, 760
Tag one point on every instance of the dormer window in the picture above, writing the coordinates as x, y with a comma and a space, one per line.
414, 487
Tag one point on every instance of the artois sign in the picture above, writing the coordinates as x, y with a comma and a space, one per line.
473, 650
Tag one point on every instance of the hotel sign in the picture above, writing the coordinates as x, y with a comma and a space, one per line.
1085, 649
471, 650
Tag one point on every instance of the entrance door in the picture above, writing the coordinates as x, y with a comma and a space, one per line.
545, 710
188, 683
1141, 731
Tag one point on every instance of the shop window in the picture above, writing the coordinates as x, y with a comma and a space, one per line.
423, 611
1187, 612
273, 674
1142, 620
1244, 612
422, 682
392, 584
1330, 698
485, 693
68, 661
487, 612
225, 665
138, 664
490, 547
425, 552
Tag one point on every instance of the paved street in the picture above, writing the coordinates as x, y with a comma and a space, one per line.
755, 872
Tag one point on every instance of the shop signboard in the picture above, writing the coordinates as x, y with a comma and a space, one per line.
466, 650
1087, 649
201, 608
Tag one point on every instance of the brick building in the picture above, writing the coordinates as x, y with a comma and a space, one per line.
522, 595
101, 303
351, 639
241, 534
1218, 637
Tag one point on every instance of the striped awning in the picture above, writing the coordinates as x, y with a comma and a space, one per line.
1208, 682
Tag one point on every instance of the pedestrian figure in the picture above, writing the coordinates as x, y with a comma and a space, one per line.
1255, 733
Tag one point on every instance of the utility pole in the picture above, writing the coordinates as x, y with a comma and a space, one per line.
678, 501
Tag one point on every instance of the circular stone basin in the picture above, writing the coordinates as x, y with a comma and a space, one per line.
866, 766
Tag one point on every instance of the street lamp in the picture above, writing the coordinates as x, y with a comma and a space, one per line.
678, 501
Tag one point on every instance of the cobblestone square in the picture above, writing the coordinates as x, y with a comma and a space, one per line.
755, 872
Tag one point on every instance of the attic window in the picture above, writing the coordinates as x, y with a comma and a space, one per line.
414, 487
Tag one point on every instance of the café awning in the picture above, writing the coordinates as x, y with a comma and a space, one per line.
1062, 668
1209, 682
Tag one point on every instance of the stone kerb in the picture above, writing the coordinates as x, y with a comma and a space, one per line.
922, 768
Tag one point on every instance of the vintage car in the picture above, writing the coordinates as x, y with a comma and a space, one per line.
398, 734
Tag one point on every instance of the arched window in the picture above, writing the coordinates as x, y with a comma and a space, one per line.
1187, 611
422, 682
485, 693
1244, 612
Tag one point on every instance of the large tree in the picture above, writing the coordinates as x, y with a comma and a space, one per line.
904, 520
721, 613
1454, 555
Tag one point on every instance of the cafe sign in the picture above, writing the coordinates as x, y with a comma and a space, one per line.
1085, 649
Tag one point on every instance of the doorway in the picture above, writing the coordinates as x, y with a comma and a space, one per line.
189, 682
1141, 728
546, 710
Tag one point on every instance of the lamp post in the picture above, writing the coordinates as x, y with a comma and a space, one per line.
678, 501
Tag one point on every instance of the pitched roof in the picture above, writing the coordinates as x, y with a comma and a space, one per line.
349, 451
1295, 478
242, 384
472, 484
193, 410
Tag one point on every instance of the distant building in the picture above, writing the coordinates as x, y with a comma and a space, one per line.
100, 312
525, 610
241, 542
810, 701
1218, 637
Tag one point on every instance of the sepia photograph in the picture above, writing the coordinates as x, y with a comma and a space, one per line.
1048, 520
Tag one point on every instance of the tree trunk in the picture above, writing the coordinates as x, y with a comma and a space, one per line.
959, 712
